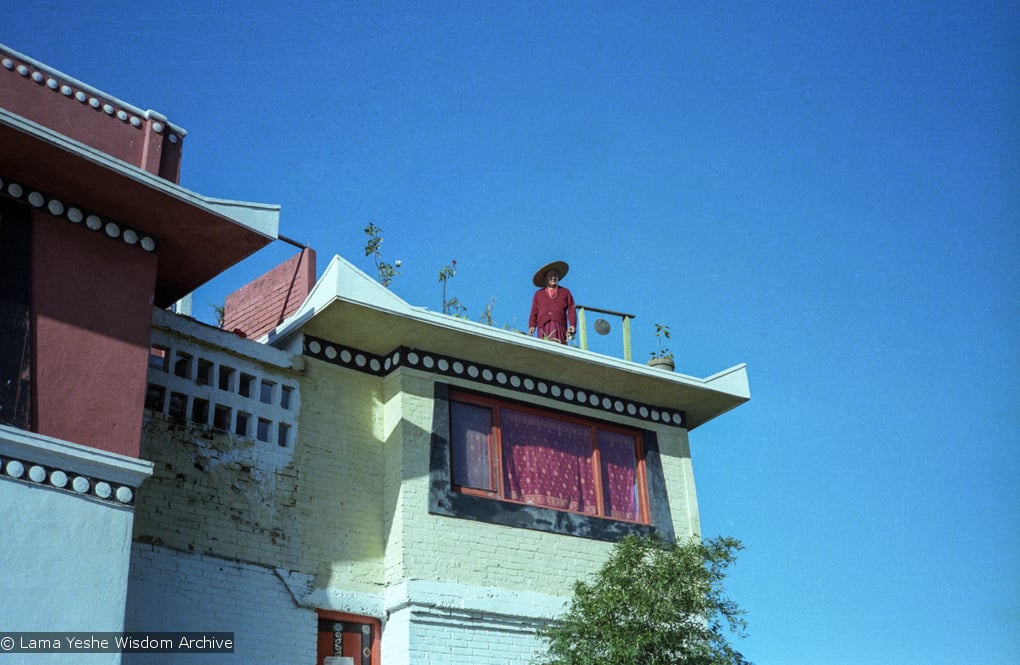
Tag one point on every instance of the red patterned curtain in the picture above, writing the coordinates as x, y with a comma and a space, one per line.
619, 475
471, 427
548, 462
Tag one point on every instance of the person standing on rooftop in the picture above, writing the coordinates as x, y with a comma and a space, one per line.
553, 315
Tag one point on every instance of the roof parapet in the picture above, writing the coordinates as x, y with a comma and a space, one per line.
44, 95
348, 306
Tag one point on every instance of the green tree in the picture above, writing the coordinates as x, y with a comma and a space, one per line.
652, 603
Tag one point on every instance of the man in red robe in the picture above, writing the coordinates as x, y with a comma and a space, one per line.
553, 315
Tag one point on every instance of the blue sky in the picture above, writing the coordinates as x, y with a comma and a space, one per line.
830, 194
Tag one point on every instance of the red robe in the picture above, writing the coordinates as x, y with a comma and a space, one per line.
551, 315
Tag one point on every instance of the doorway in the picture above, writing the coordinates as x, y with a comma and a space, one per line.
347, 636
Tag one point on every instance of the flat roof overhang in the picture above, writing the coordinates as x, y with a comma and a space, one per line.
197, 237
349, 308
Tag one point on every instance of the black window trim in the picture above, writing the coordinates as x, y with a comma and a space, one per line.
445, 501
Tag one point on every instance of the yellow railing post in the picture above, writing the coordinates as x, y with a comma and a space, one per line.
582, 329
626, 337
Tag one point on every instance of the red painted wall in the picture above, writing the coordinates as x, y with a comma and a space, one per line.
261, 305
91, 321
38, 100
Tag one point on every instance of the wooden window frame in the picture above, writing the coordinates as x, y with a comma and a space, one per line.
594, 426
443, 501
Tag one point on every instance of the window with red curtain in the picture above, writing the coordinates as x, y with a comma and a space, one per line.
619, 476
471, 454
544, 458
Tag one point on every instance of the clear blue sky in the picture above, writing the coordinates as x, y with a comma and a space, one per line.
829, 194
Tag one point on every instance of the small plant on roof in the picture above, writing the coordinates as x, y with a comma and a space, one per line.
661, 334
486, 316
385, 270
451, 306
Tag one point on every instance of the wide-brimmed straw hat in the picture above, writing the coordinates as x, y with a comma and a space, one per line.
559, 266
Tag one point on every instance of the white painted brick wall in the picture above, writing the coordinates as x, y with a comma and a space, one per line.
437, 623
449, 623
177, 591
447, 637
350, 512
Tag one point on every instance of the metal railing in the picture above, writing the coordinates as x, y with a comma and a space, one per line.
602, 327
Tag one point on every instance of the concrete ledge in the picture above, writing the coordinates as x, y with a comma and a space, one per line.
456, 598
57, 454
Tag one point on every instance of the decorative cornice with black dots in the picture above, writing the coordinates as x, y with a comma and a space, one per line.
66, 480
77, 215
363, 361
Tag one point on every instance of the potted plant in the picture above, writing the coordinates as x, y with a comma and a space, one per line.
662, 357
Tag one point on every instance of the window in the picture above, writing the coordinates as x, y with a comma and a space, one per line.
154, 395
449, 499
16, 348
200, 410
221, 417
191, 385
182, 366
244, 388
241, 425
543, 458
205, 372
226, 378
159, 356
178, 407
262, 429
266, 392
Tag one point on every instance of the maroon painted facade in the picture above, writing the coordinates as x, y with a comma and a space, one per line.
91, 318
108, 239
137, 137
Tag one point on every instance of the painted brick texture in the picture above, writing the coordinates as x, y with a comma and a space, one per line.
348, 509
424, 546
263, 304
341, 511
178, 591
214, 493
439, 636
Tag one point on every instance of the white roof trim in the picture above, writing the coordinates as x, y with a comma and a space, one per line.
95, 92
261, 218
345, 282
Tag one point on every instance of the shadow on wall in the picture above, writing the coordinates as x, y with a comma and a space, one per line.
215, 493
356, 503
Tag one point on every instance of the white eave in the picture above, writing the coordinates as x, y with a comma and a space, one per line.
347, 306
261, 218
199, 237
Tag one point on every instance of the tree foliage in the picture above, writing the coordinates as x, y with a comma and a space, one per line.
652, 603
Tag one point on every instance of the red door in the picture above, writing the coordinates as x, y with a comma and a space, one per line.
347, 635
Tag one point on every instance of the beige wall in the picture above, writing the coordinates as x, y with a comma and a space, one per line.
351, 506
424, 546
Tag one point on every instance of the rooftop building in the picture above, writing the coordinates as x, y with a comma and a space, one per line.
336, 476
